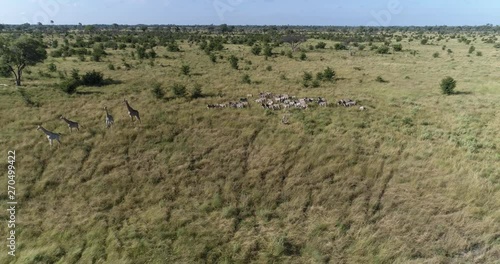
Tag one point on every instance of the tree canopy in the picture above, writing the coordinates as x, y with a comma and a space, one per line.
18, 53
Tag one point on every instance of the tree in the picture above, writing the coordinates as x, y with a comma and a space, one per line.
294, 41
448, 84
234, 62
21, 52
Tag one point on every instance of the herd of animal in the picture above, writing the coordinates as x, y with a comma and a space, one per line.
266, 100
283, 101
51, 136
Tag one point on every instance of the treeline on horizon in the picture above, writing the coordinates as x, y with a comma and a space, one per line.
224, 28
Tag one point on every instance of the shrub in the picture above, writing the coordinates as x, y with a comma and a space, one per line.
319, 76
450, 51
185, 69
303, 56
213, 58
361, 47
329, 74
93, 78
111, 67
268, 51
269, 68
315, 84
448, 84
289, 54
158, 91
56, 53
397, 47
383, 49
479, 53
246, 79
424, 41
173, 47
435, 55
98, 52
179, 90
472, 49
340, 46
234, 62
75, 74
69, 86
196, 92
307, 76
321, 45
256, 50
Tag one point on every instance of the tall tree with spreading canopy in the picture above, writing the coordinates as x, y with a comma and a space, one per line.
294, 41
18, 53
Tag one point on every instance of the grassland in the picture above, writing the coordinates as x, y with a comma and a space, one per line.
414, 179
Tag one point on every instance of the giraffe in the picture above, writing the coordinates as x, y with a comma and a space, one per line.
71, 124
132, 112
109, 118
50, 135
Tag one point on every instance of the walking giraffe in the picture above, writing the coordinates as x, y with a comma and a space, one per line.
132, 112
71, 124
109, 118
50, 135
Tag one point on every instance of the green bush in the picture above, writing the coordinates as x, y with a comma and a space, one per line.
303, 56
196, 92
185, 69
383, 49
448, 84
158, 91
472, 49
435, 55
233, 60
307, 76
213, 58
69, 86
179, 90
268, 51
321, 45
340, 46
329, 74
173, 47
256, 50
52, 67
397, 47
93, 78
246, 79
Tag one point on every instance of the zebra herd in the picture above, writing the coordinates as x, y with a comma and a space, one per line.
109, 121
274, 102
283, 101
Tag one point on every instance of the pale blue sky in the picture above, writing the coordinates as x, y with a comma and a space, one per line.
253, 12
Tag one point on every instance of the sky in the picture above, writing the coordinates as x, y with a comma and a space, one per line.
253, 12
